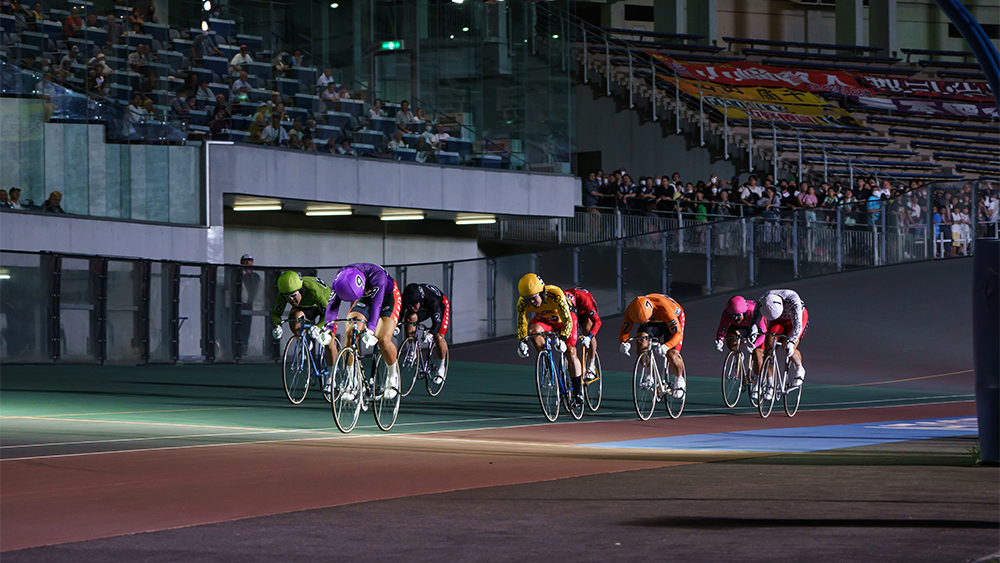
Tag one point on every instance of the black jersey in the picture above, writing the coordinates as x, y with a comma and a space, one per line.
431, 304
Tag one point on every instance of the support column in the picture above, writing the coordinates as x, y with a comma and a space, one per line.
882, 26
668, 16
850, 18
702, 19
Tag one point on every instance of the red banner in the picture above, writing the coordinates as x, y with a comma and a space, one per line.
740, 73
978, 91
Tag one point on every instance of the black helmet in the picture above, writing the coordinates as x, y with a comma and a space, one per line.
413, 293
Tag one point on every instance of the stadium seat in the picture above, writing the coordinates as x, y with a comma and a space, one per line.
363, 149
218, 66
336, 118
369, 137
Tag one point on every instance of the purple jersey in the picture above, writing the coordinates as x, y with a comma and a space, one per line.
378, 284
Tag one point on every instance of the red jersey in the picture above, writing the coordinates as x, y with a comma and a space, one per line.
584, 306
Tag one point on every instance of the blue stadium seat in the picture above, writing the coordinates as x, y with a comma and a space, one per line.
135, 40
363, 149
384, 124
447, 157
369, 137
217, 65
261, 70
119, 51
463, 147
306, 76
20, 50
942, 135
97, 35
222, 28
406, 155
936, 124
353, 107
411, 140
34, 39
253, 42
287, 87
157, 31
328, 133
338, 119
488, 161
6, 23
902, 71
199, 117
952, 147
203, 74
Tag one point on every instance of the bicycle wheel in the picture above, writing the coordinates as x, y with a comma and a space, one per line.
409, 364
347, 395
592, 389
768, 374
792, 398
548, 387
675, 406
324, 378
434, 363
386, 399
295, 370
572, 407
732, 379
644, 385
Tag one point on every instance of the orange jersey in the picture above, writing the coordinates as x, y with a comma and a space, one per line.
665, 310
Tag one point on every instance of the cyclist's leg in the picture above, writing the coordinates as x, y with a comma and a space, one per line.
387, 322
442, 344
574, 364
536, 327
795, 368
295, 313
586, 324
676, 363
409, 329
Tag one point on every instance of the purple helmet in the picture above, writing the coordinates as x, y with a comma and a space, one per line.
350, 284
737, 306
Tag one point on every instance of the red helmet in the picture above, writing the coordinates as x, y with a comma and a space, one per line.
737, 306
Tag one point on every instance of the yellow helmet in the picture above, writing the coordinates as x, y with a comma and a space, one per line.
530, 284
640, 309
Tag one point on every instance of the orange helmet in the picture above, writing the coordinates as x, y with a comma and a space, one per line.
640, 309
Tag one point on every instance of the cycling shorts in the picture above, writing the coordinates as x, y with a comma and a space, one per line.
784, 326
661, 331
554, 327
390, 307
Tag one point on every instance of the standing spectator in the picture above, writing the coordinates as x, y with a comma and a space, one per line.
874, 208
376, 109
278, 66
73, 24
404, 117
251, 286
830, 203
204, 45
242, 85
788, 199
769, 203
325, 78
135, 22
241, 61
850, 208
114, 30
591, 193
4, 200
809, 201
51, 205
15, 198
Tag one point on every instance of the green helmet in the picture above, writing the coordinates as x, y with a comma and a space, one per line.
289, 282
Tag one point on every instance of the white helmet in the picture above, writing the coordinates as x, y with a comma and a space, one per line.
773, 307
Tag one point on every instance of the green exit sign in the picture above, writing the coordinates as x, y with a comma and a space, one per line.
392, 45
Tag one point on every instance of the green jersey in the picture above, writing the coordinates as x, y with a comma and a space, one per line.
315, 295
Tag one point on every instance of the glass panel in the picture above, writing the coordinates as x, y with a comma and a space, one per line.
598, 274
255, 321
190, 309
469, 301
224, 314
78, 293
509, 270
124, 330
24, 310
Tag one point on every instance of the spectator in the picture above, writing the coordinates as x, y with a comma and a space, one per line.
221, 118
788, 199
591, 194
73, 24
91, 20
4, 200
114, 30
279, 66
250, 282
179, 105
397, 142
297, 59
95, 82
294, 142
404, 117
36, 15
202, 46
769, 202
325, 78
68, 60
139, 59
376, 109
151, 15
830, 202
190, 86
242, 85
345, 148
29, 61
241, 61
101, 62
850, 208
135, 22
204, 97
15, 198
308, 144
135, 112
431, 138
723, 206
148, 84
809, 201
296, 130
256, 128
51, 205
23, 19
311, 128
874, 207
329, 97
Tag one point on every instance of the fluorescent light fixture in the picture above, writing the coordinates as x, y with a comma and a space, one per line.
258, 207
402, 215
4, 276
555, 36
334, 5
465, 29
475, 219
329, 211
457, 1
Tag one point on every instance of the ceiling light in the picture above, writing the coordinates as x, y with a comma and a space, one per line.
258, 207
475, 219
556, 36
465, 29
207, 6
407, 216
329, 211
4, 276
458, 1
204, 26
334, 5
451, 36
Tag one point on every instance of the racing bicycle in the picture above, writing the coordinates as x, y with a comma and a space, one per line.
737, 374
774, 381
415, 363
651, 384
354, 390
303, 363
592, 386
552, 380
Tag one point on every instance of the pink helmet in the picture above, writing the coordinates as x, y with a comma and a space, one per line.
737, 306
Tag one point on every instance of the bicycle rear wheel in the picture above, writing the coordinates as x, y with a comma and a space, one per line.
768, 374
644, 385
434, 364
295, 370
572, 407
548, 387
409, 364
732, 379
675, 406
593, 388
347, 394
386, 400
792, 398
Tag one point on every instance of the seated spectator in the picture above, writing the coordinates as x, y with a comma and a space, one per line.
420, 117
274, 134
242, 85
73, 24
221, 118
4, 200
51, 205
138, 60
397, 142
329, 97
151, 15
296, 130
346, 148
23, 19
311, 128
135, 112
308, 144
204, 98
101, 62
202, 46
376, 109
343, 93
91, 21
294, 142
431, 138
136, 24
95, 82
114, 30
278, 110
148, 84
256, 128
241, 61
66, 63
15, 198
325, 78
179, 105
297, 59
29, 61
36, 14
404, 117
279, 66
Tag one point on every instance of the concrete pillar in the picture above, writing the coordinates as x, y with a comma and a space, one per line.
850, 19
882, 25
702, 19
668, 16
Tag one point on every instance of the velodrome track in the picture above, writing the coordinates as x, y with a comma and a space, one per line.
213, 464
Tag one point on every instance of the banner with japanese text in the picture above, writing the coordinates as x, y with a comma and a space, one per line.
942, 108
977, 91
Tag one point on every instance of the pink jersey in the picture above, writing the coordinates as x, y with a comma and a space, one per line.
727, 320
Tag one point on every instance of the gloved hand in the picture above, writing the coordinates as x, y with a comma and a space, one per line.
428, 338
661, 349
325, 337
560, 345
754, 333
277, 332
368, 339
626, 347
719, 344
315, 333
395, 331
522, 350
585, 341
790, 349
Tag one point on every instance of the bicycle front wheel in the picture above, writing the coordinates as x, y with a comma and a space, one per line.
592, 387
644, 385
347, 394
386, 400
548, 387
675, 405
732, 379
295, 369
768, 375
409, 364
434, 363
792, 398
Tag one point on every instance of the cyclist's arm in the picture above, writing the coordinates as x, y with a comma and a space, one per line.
380, 279
720, 333
595, 315
673, 323
522, 318
277, 310
796, 321
435, 312
562, 308
332, 311
626, 329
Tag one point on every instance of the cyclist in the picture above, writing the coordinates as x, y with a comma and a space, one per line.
422, 301
588, 322
784, 313
735, 322
309, 298
552, 314
375, 300
658, 317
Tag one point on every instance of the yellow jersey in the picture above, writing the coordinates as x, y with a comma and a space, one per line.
554, 310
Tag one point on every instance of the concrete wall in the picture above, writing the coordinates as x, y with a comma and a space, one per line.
243, 169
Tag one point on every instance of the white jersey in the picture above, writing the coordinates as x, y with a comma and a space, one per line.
792, 310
